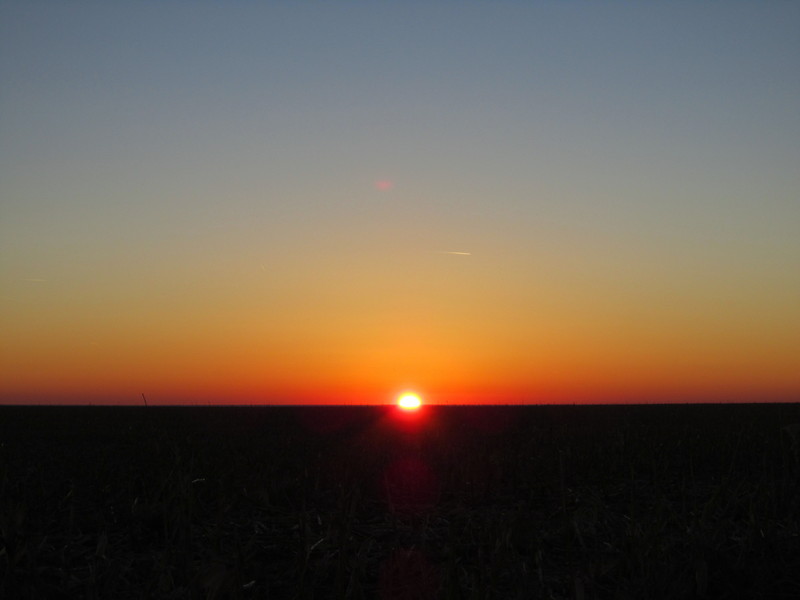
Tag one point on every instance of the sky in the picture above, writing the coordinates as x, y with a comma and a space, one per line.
334, 202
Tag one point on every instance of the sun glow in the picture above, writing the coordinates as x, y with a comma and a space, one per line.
409, 402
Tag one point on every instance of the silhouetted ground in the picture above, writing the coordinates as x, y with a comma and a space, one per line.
492, 502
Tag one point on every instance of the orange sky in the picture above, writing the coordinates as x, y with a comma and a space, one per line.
456, 331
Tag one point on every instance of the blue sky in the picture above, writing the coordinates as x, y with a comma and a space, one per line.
619, 153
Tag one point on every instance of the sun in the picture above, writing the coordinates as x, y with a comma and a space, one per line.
409, 401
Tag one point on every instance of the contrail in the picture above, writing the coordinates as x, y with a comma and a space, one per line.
457, 253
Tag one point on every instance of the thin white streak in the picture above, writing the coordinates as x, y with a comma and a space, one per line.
453, 253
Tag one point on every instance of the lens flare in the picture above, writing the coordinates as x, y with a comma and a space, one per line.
409, 402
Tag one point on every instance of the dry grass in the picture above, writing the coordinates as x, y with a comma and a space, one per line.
548, 502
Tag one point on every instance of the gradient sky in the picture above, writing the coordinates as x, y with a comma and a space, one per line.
336, 201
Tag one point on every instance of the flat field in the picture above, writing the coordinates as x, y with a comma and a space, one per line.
670, 501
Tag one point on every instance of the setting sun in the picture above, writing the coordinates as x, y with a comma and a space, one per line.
409, 402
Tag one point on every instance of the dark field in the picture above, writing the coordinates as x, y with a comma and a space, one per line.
524, 502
